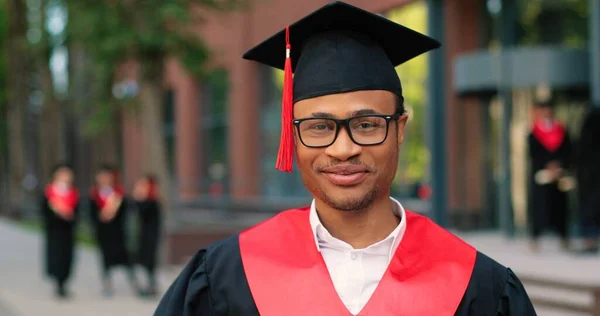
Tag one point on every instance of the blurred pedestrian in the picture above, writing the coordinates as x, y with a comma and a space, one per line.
60, 207
108, 206
550, 152
147, 200
588, 175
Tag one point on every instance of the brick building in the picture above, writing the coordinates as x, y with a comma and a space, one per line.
227, 126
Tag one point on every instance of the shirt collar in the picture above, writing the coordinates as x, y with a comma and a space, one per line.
323, 237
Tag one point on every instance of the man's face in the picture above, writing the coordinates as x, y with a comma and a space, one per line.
104, 179
347, 176
545, 112
64, 176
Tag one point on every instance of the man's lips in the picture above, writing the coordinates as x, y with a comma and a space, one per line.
345, 175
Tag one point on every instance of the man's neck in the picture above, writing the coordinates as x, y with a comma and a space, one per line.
362, 228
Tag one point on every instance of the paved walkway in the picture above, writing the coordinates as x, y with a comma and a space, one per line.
24, 292
551, 263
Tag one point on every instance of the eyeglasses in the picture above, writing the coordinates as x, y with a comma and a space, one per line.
364, 130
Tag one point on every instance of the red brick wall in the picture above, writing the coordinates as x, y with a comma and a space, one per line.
462, 35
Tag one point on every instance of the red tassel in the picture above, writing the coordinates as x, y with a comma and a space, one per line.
285, 156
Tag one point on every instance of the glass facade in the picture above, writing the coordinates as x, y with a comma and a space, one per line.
169, 129
214, 130
275, 184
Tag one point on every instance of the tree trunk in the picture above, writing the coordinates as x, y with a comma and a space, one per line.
51, 127
154, 146
4, 175
18, 92
105, 146
51, 136
80, 87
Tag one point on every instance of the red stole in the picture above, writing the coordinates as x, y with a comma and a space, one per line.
102, 200
428, 274
64, 203
551, 138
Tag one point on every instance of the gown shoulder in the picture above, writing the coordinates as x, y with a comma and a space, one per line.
189, 293
212, 283
494, 290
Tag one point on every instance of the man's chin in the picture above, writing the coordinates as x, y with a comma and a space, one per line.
350, 202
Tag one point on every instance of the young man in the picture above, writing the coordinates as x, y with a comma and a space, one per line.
60, 210
550, 154
355, 250
108, 206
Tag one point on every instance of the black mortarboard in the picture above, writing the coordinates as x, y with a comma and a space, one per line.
338, 48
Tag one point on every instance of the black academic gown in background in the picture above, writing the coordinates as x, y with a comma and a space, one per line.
149, 224
588, 174
548, 206
111, 236
60, 243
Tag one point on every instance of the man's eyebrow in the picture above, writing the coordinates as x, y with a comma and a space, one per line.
321, 115
364, 112
355, 113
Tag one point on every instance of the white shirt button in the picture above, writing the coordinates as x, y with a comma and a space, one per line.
353, 256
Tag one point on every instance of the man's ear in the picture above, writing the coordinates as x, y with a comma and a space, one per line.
401, 124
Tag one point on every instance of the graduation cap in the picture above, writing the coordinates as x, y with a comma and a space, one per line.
337, 48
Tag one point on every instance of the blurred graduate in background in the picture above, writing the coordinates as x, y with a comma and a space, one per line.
550, 153
108, 206
147, 201
60, 207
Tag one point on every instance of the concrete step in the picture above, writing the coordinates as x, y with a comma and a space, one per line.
549, 300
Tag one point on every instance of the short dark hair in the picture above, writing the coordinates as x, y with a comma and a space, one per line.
399, 104
151, 178
59, 166
106, 167
544, 103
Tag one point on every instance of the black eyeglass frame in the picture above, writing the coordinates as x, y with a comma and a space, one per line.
346, 123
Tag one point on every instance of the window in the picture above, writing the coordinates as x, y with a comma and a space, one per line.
214, 124
275, 183
169, 129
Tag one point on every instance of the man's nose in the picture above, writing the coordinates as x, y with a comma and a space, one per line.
343, 148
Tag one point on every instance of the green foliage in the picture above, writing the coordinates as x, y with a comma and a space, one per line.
414, 158
562, 22
147, 31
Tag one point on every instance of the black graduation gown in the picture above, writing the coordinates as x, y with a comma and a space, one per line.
149, 225
588, 174
213, 283
548, 206
60, 242
111, 236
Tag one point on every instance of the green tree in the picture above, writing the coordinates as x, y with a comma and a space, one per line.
414, 158
558, 22
145, 33
16, 55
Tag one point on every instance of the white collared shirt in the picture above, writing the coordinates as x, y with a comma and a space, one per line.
356, 272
